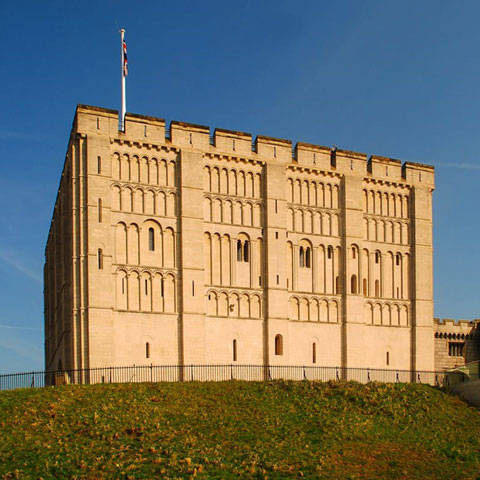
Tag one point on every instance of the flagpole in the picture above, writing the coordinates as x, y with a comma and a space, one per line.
124, 100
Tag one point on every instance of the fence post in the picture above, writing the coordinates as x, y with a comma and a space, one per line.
304, 374
397, 379
336, 374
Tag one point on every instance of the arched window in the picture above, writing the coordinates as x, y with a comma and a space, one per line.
330, 251
354, 253
151, 239
301, 257
377, 257
234, 347
147, 350
353, 284
397, 259
308, 255
278, 345
246, 246
314, 352
239, 251
162, 286
100, 259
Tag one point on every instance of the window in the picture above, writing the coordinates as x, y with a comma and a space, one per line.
99, 164
276, 235
354, 253
330, 252
245, 251
193, 288
308, 255
146, 287
147, 350
278, 345
99, 210
365, 292
397, 259
314, 353
234, 347
278, 279
123, 286
353, 284
455, 349
377, 257
151, 239
388, 358
100, 259
161, 287
302, 257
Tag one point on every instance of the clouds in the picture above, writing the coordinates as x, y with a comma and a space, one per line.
14, 262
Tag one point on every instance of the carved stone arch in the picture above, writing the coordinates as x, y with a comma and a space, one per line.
234, 306
139, 200
244, 305
211, 300
224, 181
232, 182
133, 244
312, 193
153, 167
169, 253
255, 307
116, 165
146, 291
121, 281
335, 225
121, 243
314, 314
294, 308
135, 169
248, 214
404, 320
365, 201
368, 313
257, 185
150, 202
397, 233
335, 196
116, 198
125, 167
217, 210
257, 215
222, 309
304, 313
328, 195
297, 191
237, 213
395, 314
207, 209
320, 194
171, 173
207, 179
241, 183
377, 314
305, 192
171, 204
371, 202
228, 212
298, 220
127, 199
249, 185
333, 311
386, 314
290, 221
327, 224
134, 290
144, 171
308, 221
162, 172
289, 190
323, 310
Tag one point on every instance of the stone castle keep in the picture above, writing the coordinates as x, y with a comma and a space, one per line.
178, 246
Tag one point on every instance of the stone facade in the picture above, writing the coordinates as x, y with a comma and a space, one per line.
175, 246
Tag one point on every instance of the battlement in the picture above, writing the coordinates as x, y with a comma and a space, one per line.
152, 130
450, 323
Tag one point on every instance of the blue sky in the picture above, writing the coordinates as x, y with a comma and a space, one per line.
398, 79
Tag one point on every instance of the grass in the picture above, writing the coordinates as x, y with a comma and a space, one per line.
234, 429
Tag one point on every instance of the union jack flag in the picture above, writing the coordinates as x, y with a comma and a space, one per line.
125, 62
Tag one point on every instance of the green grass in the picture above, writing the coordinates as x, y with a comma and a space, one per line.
238, 430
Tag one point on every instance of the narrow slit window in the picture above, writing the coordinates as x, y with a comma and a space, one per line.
234, 348
276, 206
239, 251
151, 239
99, 164
162, 284
388, 358
123, 286
330, 252
233, 145
100, 259
377, 257
245, 251
314, 353
397, 259
260, 280
354, 253
193, 288
278, 279
147, 350
353, 286
308, 259
98, 123
99, 210
276, 235
301, 255
365, 292
146, 287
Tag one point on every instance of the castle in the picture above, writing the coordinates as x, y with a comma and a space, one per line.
178, 246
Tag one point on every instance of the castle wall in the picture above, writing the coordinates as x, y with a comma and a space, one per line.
217, 250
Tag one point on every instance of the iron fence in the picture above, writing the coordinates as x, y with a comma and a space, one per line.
217, 373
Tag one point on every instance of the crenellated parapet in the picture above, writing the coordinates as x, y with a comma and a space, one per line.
231, 143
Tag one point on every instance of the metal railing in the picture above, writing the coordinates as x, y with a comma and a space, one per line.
217, 373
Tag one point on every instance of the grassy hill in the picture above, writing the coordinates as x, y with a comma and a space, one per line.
238, 430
